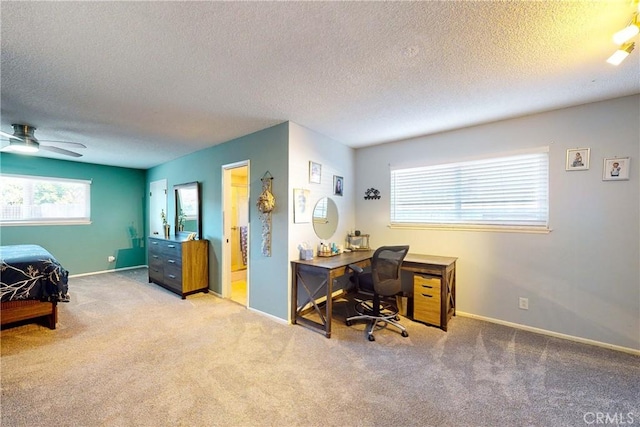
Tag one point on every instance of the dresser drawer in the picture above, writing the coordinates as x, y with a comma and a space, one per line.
171, 248
155, 258
154, 246
156, 272
173, 277
172, 260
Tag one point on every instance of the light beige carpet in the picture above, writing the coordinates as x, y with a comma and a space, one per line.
128, 353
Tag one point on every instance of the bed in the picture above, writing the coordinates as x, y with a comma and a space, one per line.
33, 282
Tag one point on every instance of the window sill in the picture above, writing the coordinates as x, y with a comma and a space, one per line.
38, 223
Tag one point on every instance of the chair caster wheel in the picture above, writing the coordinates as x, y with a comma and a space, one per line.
348, 322
371, 338
405, 334
397, 318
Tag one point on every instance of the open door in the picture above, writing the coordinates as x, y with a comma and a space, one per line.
157, 203
235, 254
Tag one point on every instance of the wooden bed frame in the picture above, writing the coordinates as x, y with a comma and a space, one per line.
16, 311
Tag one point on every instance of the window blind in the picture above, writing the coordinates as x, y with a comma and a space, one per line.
505, 191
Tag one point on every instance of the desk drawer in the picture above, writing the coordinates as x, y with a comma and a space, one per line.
426, 299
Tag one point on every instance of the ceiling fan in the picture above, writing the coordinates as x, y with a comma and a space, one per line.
23, 141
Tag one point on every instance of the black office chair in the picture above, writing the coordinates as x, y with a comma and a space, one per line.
384, 282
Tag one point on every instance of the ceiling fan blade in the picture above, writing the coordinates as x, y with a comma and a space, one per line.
60, 150
75, 144
9, 135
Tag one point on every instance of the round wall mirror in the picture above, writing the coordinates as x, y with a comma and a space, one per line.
325, 218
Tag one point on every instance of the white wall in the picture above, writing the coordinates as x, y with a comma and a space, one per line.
583, 278
336, 159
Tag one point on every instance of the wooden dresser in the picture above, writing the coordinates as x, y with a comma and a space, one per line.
181, 266
434, 288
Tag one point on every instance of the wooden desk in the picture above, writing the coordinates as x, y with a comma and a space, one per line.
327, 270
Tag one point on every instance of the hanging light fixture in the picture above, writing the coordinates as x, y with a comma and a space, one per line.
620, 54
622, 38
628, 32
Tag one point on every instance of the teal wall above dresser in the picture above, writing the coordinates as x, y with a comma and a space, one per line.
266, 150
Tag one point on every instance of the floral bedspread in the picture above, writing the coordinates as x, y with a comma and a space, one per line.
31, 272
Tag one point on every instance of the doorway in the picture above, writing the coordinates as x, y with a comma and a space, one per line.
236, 231
157, 204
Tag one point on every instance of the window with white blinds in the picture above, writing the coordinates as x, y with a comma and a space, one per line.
504, 191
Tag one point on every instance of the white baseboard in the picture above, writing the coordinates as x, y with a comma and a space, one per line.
270, 316
108, 271
551, 333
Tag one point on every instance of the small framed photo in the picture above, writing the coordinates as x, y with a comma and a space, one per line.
577, 159
338, 185
315, 172
616, 169
301, 209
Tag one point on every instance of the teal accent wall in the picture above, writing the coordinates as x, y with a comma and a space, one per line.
267, 150
117, 203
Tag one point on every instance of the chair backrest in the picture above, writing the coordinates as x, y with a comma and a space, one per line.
385, 269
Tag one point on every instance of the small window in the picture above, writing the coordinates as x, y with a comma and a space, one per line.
510, 191
44, 200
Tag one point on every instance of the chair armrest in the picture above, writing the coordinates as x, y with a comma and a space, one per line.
356, 268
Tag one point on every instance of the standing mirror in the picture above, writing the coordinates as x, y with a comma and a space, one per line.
325, 218
188, 209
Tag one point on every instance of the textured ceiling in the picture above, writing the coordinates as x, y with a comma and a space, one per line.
141, 83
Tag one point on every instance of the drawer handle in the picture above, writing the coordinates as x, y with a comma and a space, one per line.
155, 256
427, 286
171, 246
170, 261
154, 243
425, 295
172, 276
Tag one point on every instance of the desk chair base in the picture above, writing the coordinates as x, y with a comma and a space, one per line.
388, 316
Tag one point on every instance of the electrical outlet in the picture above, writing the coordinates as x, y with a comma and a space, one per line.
523, 303
111, 258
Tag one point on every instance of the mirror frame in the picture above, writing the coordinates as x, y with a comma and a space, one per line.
176, 189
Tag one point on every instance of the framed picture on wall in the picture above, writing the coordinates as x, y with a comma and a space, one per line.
301, 208
577, 159
338, 185
315, 172
616, 169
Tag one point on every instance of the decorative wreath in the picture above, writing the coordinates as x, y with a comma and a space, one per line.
266, 201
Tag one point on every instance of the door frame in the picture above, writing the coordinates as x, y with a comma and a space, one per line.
226, 227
